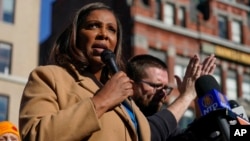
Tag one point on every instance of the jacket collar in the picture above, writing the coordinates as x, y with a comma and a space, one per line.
85, 79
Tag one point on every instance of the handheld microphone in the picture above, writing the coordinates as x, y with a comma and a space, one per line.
209, 96
108, 57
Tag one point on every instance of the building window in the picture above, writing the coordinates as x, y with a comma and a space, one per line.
222, 23
4, 107
246, 86
146, 2
157, 53
236, 31
181, 16
7, 10
169, 14
217, 75
158, 9
231, 0
231, 84
5, 58
180, 70
181, 66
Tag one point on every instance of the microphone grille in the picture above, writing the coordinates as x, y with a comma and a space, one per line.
106, 55
206, 83
233, 104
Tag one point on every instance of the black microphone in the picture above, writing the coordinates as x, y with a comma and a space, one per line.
211, 101
108, 57
209, 96
217, 115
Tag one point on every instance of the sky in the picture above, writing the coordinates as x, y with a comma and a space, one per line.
45, 20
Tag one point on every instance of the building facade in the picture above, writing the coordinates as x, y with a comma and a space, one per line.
19, 46
175, 30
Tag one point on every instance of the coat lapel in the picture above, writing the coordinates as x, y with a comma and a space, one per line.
121, 111
88, 81
143, 125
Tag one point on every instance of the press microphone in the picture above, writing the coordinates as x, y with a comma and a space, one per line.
211, 101
108, 57
215, 110
209, 96
242, 117
239, 110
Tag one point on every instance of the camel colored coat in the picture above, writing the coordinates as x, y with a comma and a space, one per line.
57, 107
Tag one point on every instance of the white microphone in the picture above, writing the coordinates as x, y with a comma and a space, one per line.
238, 109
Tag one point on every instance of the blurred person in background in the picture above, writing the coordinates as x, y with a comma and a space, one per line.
9, 132
151, 86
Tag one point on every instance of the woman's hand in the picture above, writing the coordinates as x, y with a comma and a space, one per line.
116, 90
